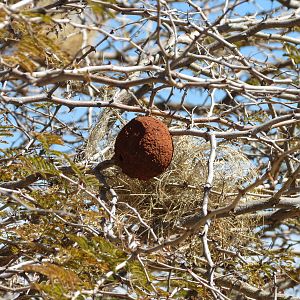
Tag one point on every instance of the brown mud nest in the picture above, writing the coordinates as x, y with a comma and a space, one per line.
144, 148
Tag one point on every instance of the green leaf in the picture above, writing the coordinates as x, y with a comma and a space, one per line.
48, 139
6, 132
99, 9
53, 291
56, 274
292, 52
39, 164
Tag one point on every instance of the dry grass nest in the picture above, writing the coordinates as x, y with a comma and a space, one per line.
163, 201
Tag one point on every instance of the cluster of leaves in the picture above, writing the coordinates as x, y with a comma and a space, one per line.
31, 47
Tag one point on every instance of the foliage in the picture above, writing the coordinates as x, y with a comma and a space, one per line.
222, 222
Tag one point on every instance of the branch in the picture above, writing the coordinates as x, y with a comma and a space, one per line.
30, 179
243, 288
290, 3
207, 188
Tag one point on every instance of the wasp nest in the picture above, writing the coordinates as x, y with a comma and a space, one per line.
144, 148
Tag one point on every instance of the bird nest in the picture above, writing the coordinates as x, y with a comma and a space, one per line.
164, 201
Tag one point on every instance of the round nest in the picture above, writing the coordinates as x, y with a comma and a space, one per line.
144, 148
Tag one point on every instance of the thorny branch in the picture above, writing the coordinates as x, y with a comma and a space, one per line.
212, 71
207, 188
